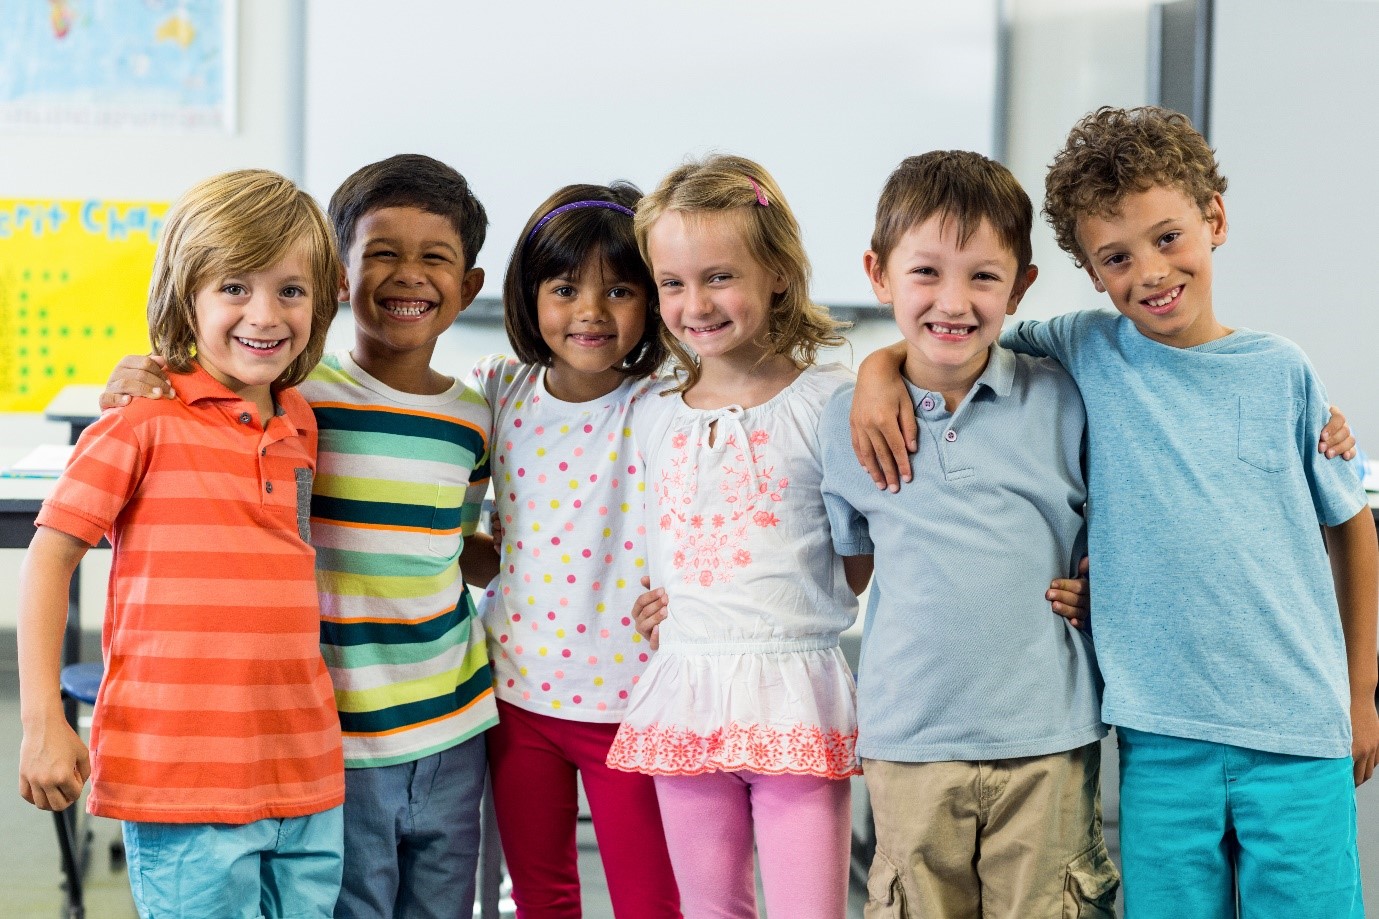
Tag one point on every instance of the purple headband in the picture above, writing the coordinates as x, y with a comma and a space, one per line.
574, 206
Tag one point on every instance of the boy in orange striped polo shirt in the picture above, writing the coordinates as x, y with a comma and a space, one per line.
215, 736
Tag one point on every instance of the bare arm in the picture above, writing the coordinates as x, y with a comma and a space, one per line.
53, 762
1355, 566
137, 375
479, 560
884, 429
858, 569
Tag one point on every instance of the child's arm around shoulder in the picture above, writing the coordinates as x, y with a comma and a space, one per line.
53, 762
1354, 551
137, 376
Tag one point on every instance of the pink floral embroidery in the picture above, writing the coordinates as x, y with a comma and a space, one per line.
804, 749
710, 549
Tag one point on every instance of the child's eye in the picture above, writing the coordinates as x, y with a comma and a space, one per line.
293, 291
436, 257
1114, 260
924, 271
984, 276
668, 284
234, 290
1169, 238
381, 253
621, 293
564, 290
720, 277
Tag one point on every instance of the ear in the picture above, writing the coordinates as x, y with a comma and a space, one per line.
471, 285
1216, 219
876, 274
342, 292
1022, 284
781, 285
1096, 281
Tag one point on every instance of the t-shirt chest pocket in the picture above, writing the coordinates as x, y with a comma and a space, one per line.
447, 504
1265, 435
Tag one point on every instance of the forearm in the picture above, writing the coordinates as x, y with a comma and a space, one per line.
1354, 553
49, 565
858, 570
883, 364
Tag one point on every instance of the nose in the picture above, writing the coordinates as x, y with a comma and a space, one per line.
1153, 269
589, 307
263, 309
952, 298
409, 271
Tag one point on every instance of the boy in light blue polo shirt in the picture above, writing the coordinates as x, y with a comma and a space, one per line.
1236, 565
978, 710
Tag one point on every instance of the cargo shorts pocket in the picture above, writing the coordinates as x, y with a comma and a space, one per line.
1090, 884
885, 893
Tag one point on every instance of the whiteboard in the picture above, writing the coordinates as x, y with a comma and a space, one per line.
524, 97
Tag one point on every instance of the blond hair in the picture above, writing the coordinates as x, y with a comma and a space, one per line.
1114, 152
242, 221
796, 326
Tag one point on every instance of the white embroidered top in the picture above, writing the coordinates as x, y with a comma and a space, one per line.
749, 675
569, 492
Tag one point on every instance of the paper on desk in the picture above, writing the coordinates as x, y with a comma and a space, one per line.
43, 462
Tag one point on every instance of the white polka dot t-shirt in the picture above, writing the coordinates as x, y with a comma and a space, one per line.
568, 489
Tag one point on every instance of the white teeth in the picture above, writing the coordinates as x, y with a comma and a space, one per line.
950, 330
1165, 300
259, 344
398, 310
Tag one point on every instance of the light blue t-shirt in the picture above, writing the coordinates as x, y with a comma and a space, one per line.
962, 659
1213, 605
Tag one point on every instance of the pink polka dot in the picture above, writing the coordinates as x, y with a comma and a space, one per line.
627, 545
592, 659
570, 579
608, 559
642, 657
565, 653
603, 512
516, 617
631, 470
603, 633
519, 543
588, 429
541, 478
555, 540
526, 696
603, 706
579, 451
626, 620
546, 687
594, 477
577, 699
595, 586
615, 483
564, 466
521, 472
560, 674
531, 505
507, 445
511, 683
622, 694
526, 578
539, 429
502, 639
551, 615
641, 531
517, 422
578, 503
586, 553
564, 601
517, 649
570, 527
581, 628
535, 553
512, 496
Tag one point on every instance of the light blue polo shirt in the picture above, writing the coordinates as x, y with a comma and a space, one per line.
962, 659
1214, 610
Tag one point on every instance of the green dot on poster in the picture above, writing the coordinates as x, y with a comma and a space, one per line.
42, 314
24, 371
71, 370
43, 332
87, 331
64, 277
27, 274
64, 331
23, 295
110, 331
47, 275
23, 330
23, 388
48, 371
43, 351
23, 352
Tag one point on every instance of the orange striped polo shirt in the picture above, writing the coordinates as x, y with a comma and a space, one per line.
216, 705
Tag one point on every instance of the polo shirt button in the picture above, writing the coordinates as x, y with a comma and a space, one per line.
950, 435
268, 487
927, 404
263, 451
245, 418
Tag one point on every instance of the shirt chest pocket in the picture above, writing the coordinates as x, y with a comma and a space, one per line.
446, 513
1265, 436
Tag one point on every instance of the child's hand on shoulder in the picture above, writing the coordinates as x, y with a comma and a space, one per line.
882, 419
137, 375
1071, 598
649, 611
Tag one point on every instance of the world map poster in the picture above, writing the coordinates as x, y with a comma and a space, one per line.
117, 65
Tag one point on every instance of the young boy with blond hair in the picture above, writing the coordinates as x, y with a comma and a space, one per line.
978, 711
1235, 564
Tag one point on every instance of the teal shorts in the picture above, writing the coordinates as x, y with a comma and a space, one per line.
1204, 823
281, 868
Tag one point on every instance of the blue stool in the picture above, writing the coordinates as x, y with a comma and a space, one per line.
80, 683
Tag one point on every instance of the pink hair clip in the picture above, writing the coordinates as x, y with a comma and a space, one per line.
761, 195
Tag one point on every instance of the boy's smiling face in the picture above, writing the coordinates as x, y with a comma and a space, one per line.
1153, 258
406, 281
949, 299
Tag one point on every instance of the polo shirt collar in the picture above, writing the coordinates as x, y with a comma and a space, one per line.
197, 385
999, 375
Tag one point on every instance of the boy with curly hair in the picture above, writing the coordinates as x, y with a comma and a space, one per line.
1235, 565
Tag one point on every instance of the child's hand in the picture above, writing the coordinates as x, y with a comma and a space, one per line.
1072, 597
143, 375
495, 529
649, 611
1337, 440
884, 429
53, 766
1364, 748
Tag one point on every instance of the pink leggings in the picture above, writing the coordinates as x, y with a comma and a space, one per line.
533, 760
803, 839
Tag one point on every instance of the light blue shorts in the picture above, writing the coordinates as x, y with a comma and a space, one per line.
1202, 823
284, 869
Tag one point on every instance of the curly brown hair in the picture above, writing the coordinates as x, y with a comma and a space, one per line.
1114, 152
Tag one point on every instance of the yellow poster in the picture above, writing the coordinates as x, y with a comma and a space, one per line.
73, 291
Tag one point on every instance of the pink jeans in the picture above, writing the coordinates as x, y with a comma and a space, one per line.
803, 833
533, 760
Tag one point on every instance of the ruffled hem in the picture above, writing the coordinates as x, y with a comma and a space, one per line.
802, 750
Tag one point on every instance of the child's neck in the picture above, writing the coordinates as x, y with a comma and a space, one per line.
570, 385
952, 386
406, 371
722, 383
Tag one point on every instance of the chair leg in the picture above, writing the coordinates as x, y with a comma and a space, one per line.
72, 862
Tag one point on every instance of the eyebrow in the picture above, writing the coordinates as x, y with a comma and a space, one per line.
393, 241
